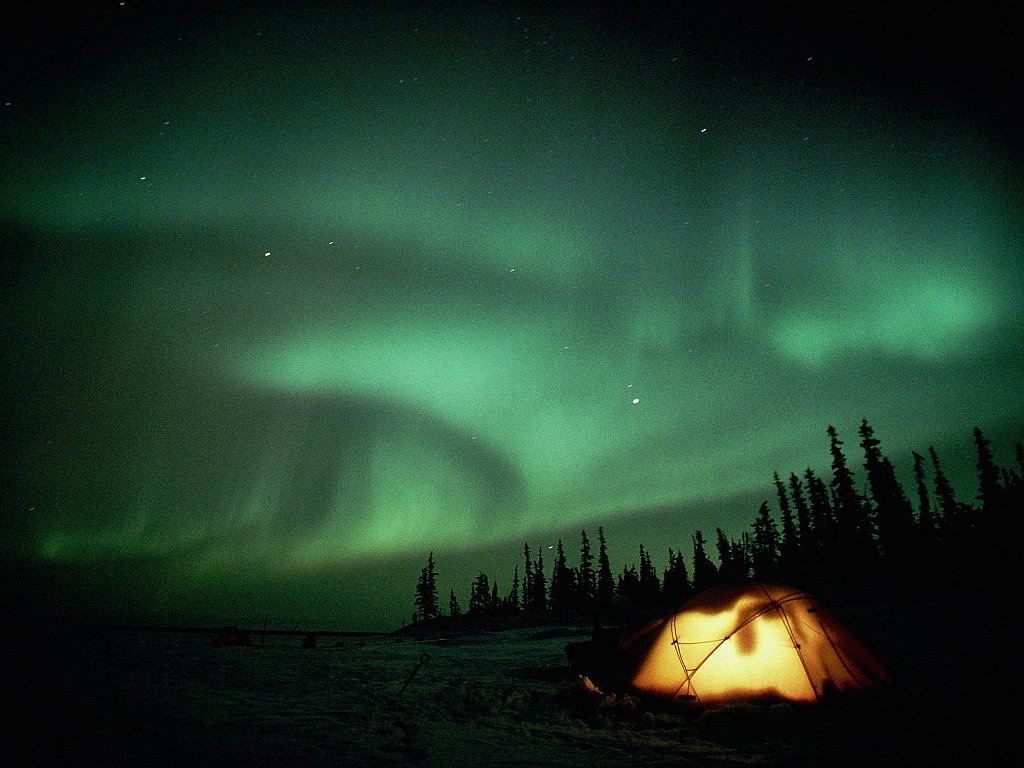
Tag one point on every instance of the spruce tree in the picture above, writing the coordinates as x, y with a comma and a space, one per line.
480, 594
605, 579
925, 514
801, 569
823, 546
742, 555
951, 523
454, 610
675, 587
587, 582
989, 490
995, 519
789, 543
563, 586
855, 535
894, 517
528, 587
513, 595
705, 574
726, 569
628, 586
426, 591
649, 584
540, 585
804, 523
766, 545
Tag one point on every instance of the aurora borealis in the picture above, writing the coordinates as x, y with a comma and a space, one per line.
295, 294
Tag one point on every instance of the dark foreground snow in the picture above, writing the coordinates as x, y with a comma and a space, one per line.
480, 698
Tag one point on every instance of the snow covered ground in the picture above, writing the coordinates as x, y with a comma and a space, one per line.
482, 698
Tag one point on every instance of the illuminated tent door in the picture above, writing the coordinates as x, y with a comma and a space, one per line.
752, 642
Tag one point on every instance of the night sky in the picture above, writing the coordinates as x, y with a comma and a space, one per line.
294, 294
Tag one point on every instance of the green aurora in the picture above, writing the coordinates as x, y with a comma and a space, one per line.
294, 298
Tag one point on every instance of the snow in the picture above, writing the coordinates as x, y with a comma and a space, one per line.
494, 698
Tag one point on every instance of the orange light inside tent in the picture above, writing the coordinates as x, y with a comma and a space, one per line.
705, 656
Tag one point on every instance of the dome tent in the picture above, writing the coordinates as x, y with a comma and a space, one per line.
749, 642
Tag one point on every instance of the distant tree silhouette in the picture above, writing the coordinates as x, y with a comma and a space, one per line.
733, 557
824, 535
539, 602
628, 586
800, 570
705, 574
989, 490
995, 518
925, 513
529, 591
649, 594
766, 545
454, 610
605, 579
894, 517
513, 595
480, 594
587, 579
953, 523
563, 583
789, 558
426, 591
675, 586
854, 546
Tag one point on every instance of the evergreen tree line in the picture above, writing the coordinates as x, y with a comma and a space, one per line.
829, 534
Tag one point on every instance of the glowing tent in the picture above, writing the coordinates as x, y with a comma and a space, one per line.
751, 642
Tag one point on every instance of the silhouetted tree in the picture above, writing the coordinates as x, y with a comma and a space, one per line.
1015, 484
650, 586
724, 554
855, 541
540, 585
454, 610
605, 579
894, 517
563, 583
801, 570
952, 523
804, 523
789, 542
824, 537
732, 558
925, 514
587, 581
480, 594
996, 518
742, 554
705, 574
529, 590
675, 587
426, 591
513, 595
628, 585
989, 490
766, 545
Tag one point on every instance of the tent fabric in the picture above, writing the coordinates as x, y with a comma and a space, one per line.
750, 642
